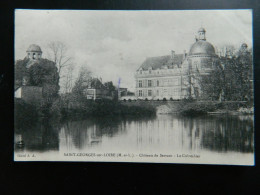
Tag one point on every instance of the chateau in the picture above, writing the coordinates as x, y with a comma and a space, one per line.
174, 76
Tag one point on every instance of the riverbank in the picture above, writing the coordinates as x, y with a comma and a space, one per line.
191, 108
25, 113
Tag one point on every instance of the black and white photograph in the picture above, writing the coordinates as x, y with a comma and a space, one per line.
153, 86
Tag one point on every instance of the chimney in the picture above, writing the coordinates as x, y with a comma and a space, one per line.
173, 54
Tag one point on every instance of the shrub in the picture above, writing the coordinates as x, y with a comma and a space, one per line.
164, 99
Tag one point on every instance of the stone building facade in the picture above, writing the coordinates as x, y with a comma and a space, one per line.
174, 76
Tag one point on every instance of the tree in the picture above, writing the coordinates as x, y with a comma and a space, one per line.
42, 73
110, 87
67, 83
231, 79
239, 77
82, 82
212, 83
58, 53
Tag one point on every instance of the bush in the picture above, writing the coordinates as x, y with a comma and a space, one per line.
164, 99
107, 108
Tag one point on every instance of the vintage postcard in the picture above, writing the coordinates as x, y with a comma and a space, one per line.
134, 86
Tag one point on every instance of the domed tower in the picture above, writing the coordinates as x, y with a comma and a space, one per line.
34, 52
200, 62
201, 53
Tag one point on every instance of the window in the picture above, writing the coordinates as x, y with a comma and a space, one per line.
140, 84
158, 83
141, 72
149, 83
157, 92
140, 93
149, 92
150, 72
175, 91
33, 55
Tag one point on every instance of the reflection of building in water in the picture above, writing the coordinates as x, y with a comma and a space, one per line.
41, 137
165, 132
80, 134
161, 134
94, 137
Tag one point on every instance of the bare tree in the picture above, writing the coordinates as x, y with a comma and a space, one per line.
68, 79
58, 54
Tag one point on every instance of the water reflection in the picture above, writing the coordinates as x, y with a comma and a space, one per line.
160, 133
42, 136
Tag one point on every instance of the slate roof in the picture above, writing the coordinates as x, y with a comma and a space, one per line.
158, 62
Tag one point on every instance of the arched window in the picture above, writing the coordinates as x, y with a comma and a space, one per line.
158, 83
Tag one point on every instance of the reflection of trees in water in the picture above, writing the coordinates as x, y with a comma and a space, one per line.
217, 133
225, 133
40, 137
90, 131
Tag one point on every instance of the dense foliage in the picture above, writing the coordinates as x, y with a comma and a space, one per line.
41, 73
105, 107
231, 79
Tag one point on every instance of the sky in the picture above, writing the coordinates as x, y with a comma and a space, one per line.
114, 44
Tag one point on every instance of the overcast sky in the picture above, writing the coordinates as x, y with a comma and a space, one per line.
113, 44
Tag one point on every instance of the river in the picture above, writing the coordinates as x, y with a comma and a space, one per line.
213, 139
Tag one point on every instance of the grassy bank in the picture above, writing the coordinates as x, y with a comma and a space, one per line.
205, 107
189, 107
